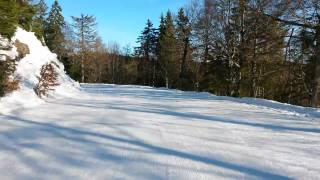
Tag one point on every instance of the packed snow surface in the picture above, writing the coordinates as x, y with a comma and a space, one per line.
132, 132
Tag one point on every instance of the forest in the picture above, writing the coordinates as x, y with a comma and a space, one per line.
241, 48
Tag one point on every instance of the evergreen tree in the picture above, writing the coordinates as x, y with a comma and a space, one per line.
39, 19
183, 36
54, 36
85, 31
8, 18
26, 11
264, 44
204, 31
147, 52
168, 52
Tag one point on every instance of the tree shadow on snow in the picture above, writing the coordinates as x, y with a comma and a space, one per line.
81, 136
169, 94
190, 115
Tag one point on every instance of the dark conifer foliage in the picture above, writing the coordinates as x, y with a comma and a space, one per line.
148, 65
55, 24
26, 11
8, 18
168, 52
183, 31
39, 19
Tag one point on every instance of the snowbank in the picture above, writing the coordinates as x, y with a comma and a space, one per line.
262, 103
27, 71
12, 53
265, 104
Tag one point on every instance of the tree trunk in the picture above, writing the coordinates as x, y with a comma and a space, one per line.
237, 92
82, 69
316, 82
253, 92
167, 81
184, 65
154, 73
82, 50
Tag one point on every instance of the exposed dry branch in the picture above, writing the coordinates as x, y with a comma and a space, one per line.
47, 81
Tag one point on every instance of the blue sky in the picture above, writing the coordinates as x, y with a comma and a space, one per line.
120, 20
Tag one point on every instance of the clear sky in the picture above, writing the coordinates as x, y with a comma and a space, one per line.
120, 20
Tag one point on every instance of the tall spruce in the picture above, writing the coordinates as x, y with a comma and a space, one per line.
26, 12
147, 55
168, 52
265, 44
204, 29
39, 19
184, 36
8, 18
54, 35
86, 33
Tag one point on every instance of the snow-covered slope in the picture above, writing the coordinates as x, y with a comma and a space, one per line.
28, 69
133, 132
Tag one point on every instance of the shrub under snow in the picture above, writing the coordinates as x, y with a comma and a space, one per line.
48, 79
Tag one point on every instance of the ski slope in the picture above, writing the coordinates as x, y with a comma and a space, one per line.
132, 132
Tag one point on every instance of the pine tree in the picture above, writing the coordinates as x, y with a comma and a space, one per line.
26, 11
39, 19
183, 36
204, 31
85, 31
147, 52
264, 44
168, 52
8, 18
54, 36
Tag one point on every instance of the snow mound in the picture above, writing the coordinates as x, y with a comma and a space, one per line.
27, 71
12, 53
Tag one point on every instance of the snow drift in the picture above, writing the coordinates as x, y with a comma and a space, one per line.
28, 69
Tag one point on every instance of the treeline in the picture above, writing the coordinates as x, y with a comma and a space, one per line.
264, 49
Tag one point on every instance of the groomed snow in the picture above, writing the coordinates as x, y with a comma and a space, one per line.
132, 132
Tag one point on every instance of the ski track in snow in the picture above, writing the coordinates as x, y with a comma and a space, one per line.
132, 132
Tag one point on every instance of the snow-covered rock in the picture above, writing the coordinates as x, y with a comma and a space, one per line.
28, 69
4, 54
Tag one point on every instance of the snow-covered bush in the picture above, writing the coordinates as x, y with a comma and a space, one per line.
48, 79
